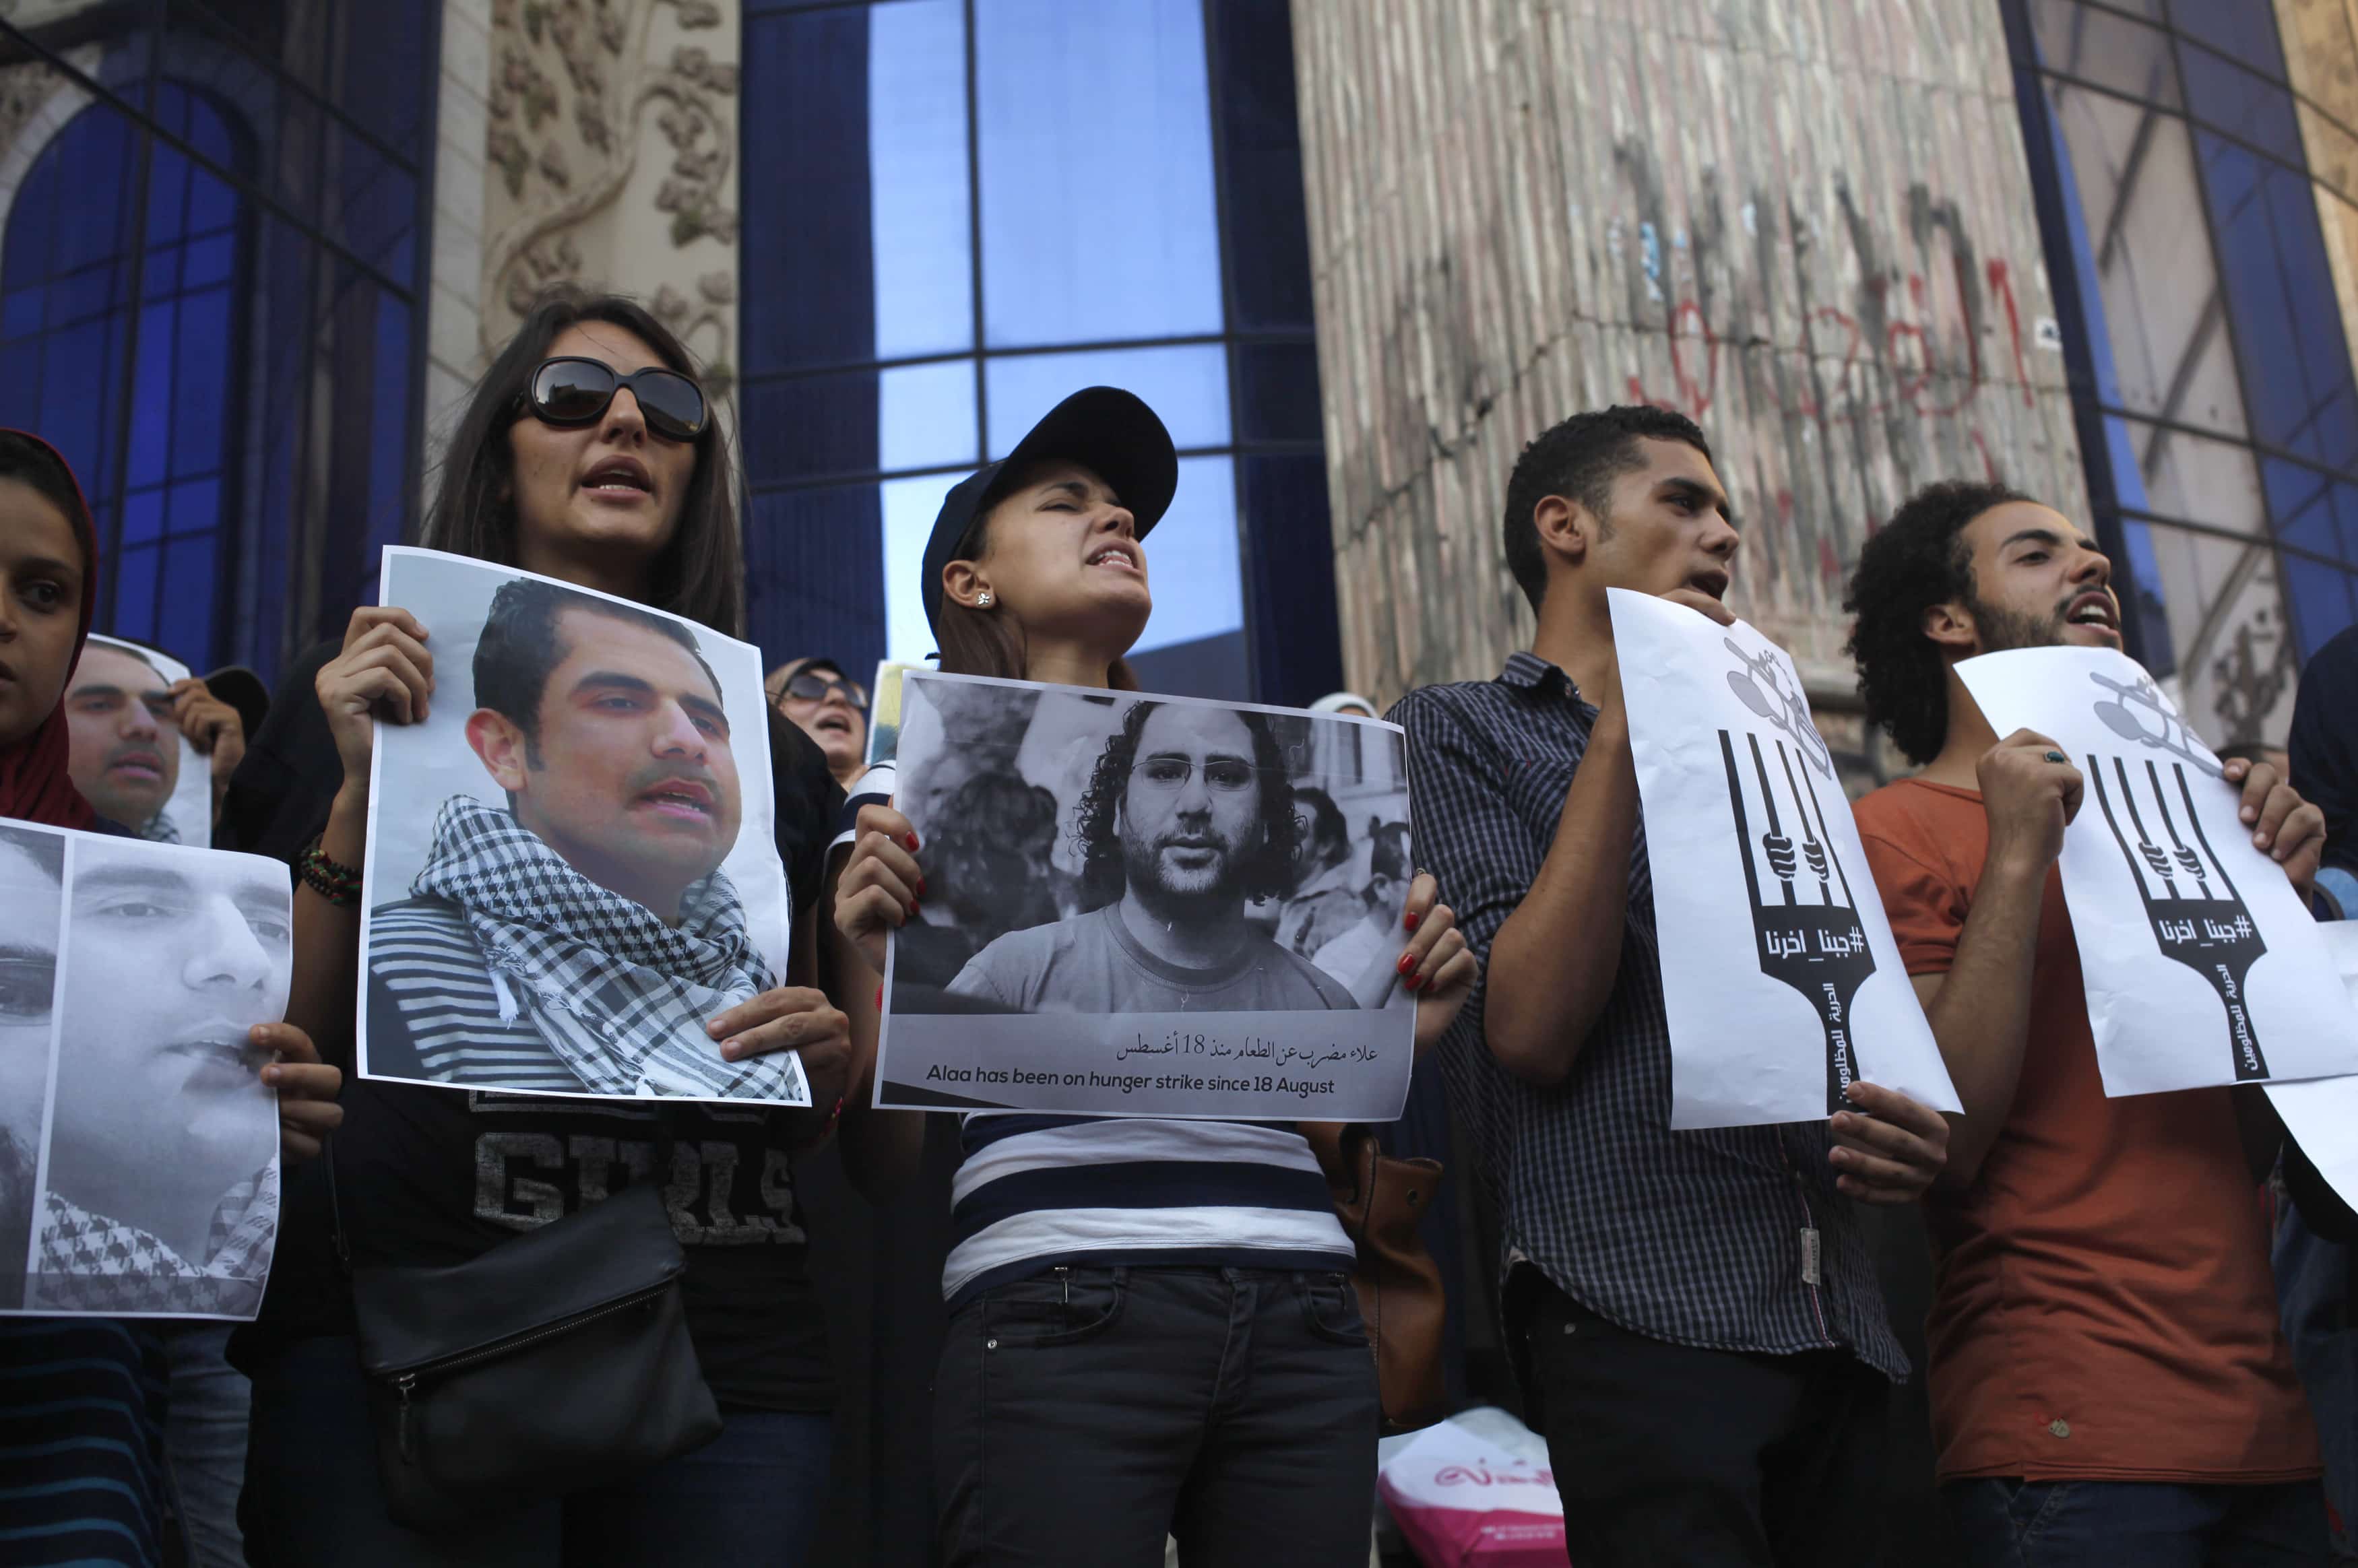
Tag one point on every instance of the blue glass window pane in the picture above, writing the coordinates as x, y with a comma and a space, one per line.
199, 356
2142, 602
2247, 31
135, 593
1261, 155
2108, 49
1191, 558
910, 506
1099, 219
142, 516
809, 427
922, 219
813, 583
807, 243
151, 398
1277, 392
2295, 367
168, 194
184, 617
2227, 95
87, 295
1188, 386
209, 261
389, 436
2301, 501
20, 312
2321, 599
925, 415
195, 507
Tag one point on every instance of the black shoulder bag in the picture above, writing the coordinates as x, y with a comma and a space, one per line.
552, 1363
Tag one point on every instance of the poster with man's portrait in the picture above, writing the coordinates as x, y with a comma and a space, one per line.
139, 1144
128, 757
1147, 906
572, 862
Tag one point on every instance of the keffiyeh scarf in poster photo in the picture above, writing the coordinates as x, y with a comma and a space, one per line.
619, 997
91, 1263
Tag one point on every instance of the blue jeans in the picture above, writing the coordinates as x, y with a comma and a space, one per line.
2005, 1523
1082, 1413
204, 1442
750, 1499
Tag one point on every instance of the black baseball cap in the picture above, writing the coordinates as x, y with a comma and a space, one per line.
1110, 432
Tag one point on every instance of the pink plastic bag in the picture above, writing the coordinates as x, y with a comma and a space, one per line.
1465, 1502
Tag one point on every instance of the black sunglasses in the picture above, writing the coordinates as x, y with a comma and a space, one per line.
810, 687
576, 391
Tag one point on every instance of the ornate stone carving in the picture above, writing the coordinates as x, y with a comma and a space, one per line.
612, 128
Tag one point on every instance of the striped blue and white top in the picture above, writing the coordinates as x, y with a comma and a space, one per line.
1037, 1192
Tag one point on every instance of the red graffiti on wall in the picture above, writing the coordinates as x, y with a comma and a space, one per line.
1909, 351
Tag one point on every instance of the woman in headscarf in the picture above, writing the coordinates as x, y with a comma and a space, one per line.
81, 1399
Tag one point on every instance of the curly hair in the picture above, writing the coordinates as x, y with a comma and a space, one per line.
1266, 873
1579, 459
1915, 561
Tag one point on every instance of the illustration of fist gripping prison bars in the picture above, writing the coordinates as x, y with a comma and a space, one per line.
1814, 944
2198, 918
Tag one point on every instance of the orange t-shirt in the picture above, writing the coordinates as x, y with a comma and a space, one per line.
2102, 1307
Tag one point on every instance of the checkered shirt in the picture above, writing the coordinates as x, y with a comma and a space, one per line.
91, 1263
1695, 1238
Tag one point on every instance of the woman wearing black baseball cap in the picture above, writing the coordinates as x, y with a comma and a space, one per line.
1151, 1327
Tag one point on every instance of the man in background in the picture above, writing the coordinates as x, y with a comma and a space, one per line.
126, 722
827, 706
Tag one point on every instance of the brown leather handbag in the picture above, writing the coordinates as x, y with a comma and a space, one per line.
1380, 1200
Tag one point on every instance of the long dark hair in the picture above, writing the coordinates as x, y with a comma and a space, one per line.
700, 573
981, 643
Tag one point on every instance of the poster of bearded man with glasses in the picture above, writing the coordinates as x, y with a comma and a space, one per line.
1107, 924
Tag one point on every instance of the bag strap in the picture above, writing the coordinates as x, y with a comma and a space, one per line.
659, 1172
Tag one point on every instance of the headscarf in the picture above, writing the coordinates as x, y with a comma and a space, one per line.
34, 786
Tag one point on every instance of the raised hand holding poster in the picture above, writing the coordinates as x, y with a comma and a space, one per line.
139, 1144
2199, 963
1779, 973
1147, 906
572, 864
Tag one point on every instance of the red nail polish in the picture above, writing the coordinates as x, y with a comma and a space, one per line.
921, 887
1410, 920
1416, 982
879, 989
912, 841
912, 909
1408, 964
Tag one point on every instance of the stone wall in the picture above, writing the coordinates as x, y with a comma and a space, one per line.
1806, 224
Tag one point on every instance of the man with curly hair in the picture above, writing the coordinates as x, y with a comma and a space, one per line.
1188, 817
2109, 1383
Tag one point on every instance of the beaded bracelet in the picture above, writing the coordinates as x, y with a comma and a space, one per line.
338, 883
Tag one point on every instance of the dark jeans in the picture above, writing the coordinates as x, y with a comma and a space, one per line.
1667, 1453
1083, 1414
2136, 1524
750, 1497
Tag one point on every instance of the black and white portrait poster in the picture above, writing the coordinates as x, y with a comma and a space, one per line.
572, 864
1147, 906
2199, 963
1781, 978
128, 757
139, 1144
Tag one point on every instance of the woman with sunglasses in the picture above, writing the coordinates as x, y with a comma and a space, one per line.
1151, 1327
827, 706
587, 453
